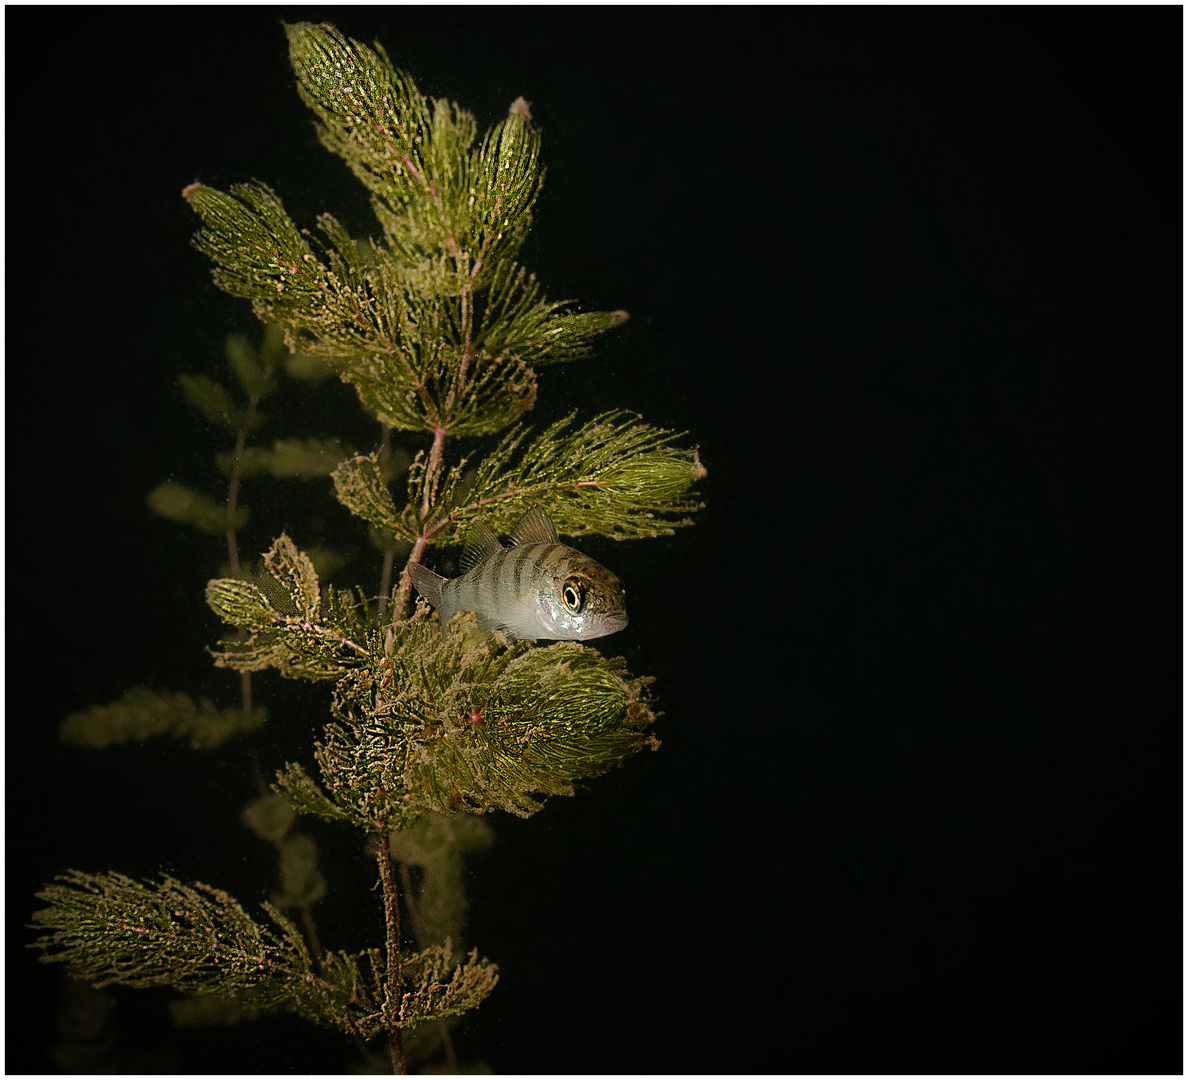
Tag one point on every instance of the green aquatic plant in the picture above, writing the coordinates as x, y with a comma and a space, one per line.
440, 331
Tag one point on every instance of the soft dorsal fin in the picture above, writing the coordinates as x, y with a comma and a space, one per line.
480, 542
535, 527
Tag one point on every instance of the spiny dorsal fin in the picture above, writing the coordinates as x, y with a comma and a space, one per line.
480, 542
535, 527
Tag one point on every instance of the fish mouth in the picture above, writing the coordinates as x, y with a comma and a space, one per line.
612, 624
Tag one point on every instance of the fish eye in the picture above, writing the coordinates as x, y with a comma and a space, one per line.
573, 593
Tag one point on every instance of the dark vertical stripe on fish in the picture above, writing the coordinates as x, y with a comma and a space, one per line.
489, 575
554, 558
519, 562
503, 574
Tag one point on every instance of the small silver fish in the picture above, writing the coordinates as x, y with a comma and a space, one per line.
534, 588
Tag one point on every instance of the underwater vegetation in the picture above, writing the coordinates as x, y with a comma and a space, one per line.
434, 721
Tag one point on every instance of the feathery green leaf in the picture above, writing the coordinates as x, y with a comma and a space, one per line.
613, 476
305, 459
461, 723
145, 714
179, 503
111, 929
301, 638
209, 397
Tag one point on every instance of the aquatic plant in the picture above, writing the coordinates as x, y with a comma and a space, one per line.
440, 331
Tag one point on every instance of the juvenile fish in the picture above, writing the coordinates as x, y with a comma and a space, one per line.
536, 587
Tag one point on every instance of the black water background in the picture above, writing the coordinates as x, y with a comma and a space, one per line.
911, 280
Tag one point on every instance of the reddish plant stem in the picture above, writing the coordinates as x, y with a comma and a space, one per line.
385, 589
402, 593
392, 921
467, 274
433, 468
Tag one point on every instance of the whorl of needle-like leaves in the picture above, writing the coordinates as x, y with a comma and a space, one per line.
612, 476
291, 627
369, 114
432, 190
145, 714
112, 929
437, 326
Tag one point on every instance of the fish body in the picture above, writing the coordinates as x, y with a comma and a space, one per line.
534, 588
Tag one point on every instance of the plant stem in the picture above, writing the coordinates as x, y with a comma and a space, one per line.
245, 694
385, 452
311, 936
245, 677
386, 581
431, 471
402, 593
233, 494
433, 468
392, 920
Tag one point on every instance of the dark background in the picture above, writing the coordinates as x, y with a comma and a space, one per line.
911, 279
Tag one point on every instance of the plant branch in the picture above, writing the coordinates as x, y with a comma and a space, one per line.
233, 494
245, 677
512, 493
392, 921
390, 551
402, 593
432, 470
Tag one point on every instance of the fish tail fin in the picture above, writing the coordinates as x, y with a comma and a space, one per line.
427, 583
431, 587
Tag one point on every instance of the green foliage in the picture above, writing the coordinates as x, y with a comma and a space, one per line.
302, 637
429, 723
146, 714
614, 476
305, 459
442, 987
192, 937
302, 883
179, 503
436, 327
255, 368
112, 929
439, 330
210, 398
362, 489
432, 189
466, 724
269, 817
307, 368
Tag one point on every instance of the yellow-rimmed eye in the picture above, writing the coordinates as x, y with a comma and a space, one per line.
573, 593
